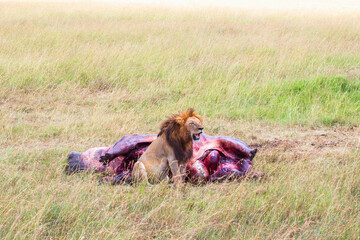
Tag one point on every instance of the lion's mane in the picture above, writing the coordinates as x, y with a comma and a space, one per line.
177, 135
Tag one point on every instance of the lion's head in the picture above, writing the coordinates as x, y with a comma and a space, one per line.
180, 130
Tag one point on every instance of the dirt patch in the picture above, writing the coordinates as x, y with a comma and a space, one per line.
278, 143
306, 143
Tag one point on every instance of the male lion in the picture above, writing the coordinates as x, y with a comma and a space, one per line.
171, 150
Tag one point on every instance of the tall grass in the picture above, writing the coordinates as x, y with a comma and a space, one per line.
74, 76
226, 61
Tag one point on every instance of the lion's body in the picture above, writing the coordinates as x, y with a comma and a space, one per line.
171, 150
154, 164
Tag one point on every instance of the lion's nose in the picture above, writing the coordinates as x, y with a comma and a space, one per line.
201, 129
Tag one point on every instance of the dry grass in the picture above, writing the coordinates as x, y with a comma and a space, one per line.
75, 76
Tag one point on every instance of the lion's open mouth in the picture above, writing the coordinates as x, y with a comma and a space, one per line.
196, 137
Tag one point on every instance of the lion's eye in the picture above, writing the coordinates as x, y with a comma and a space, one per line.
193, 124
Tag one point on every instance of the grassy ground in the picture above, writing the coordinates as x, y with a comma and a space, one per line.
75, 76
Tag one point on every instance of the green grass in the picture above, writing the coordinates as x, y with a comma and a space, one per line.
75, 76
228, 64
326, 100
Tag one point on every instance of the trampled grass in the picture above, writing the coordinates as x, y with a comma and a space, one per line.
75, 76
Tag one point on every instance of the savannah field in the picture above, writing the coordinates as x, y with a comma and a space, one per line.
80, 75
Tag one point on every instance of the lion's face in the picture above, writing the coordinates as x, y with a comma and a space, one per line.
195, 127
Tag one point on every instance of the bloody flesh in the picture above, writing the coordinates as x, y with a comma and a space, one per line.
214, 158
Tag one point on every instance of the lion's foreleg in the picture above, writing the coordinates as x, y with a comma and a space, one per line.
139, 174
176, 171
182, 172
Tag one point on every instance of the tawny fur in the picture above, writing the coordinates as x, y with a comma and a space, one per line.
171, 150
